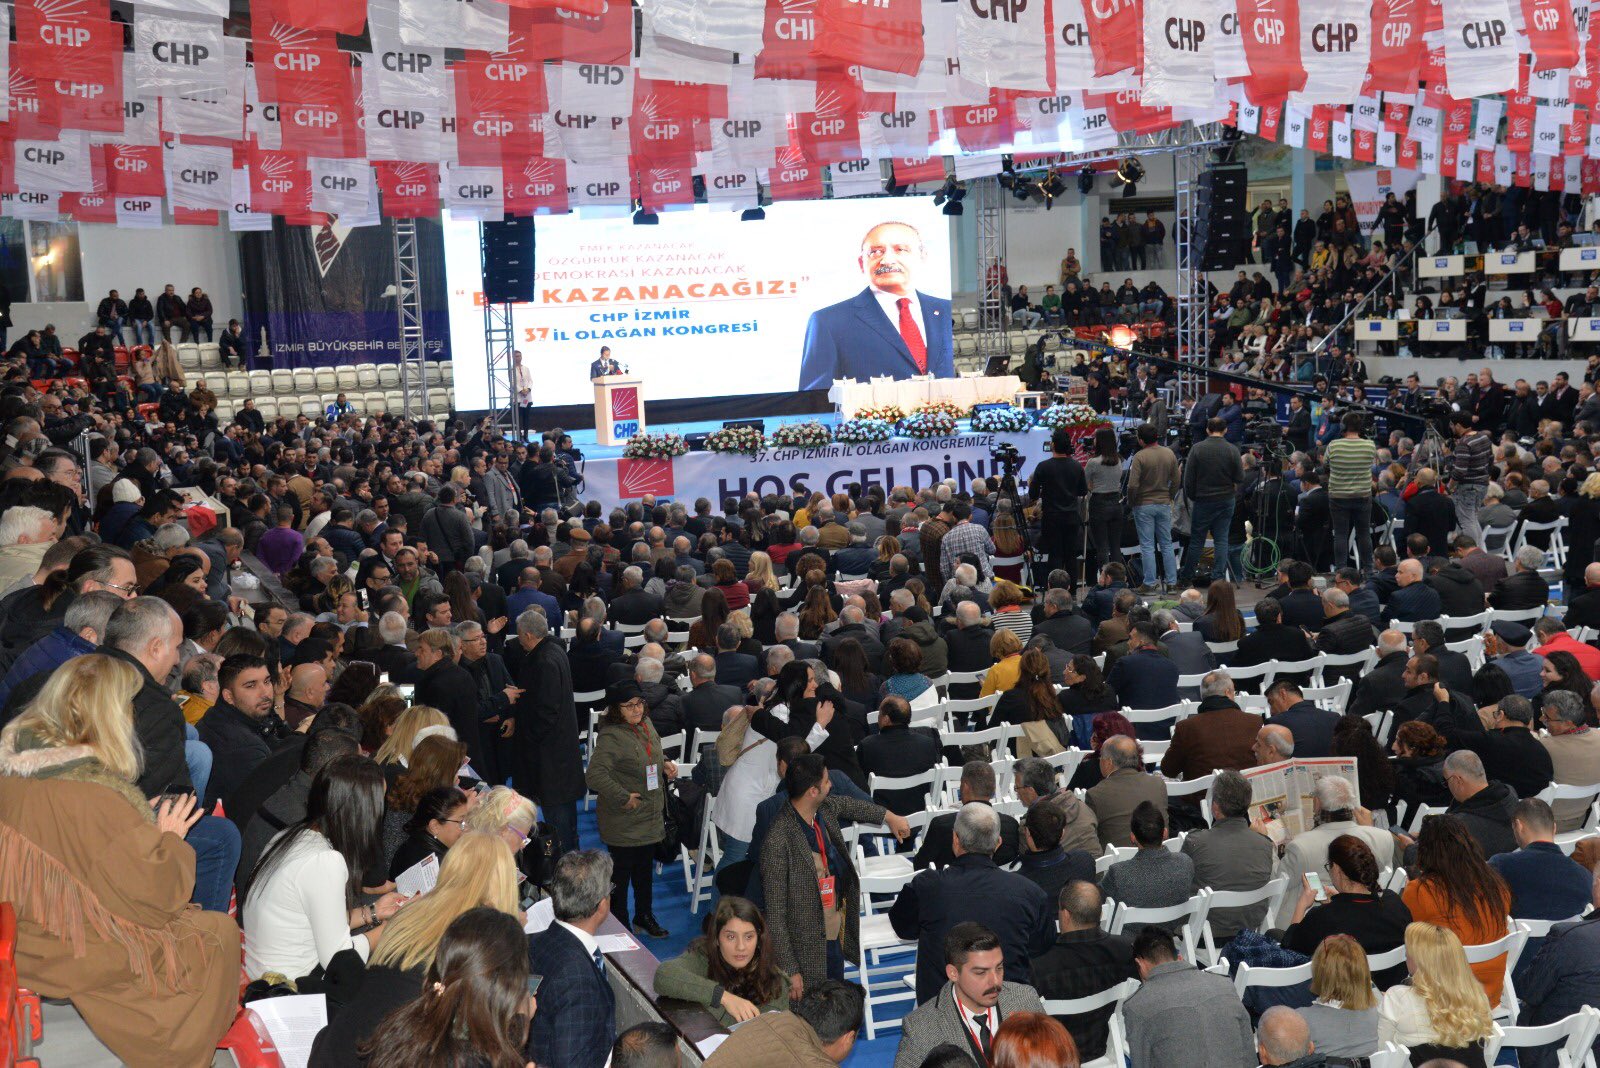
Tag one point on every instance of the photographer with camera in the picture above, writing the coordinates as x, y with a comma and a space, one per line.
1060, 484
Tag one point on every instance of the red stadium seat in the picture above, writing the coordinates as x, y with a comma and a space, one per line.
20, 1022
249, 1043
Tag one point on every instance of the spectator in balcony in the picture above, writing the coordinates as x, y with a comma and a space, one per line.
140, 318
231, 345
111, 314
171, 311
198, 308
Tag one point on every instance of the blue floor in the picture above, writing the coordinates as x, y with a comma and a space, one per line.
672, 911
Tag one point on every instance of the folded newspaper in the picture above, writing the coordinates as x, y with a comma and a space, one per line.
1283, 798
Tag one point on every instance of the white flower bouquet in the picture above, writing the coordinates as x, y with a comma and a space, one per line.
929, 424
737, 439
1071, 416
807, 435
859, 431
654, 447
1002, 420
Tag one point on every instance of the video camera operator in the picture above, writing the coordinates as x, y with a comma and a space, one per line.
1060, 484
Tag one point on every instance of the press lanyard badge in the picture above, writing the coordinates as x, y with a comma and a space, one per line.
825, 882
652, 777
652, 773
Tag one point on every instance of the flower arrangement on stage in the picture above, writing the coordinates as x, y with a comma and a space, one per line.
808, 435
654, 447
859, 431
742, 439
887, 413
1071, 416
1002, 420
950, 408
930, 423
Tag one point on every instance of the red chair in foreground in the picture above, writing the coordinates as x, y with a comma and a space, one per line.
20, 1023
249, 1044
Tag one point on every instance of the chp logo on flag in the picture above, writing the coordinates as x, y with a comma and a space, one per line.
624, 404
635, 478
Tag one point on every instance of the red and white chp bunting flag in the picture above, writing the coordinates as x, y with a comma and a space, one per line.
1335, 44
1480, 49
1178, 64
1002, 42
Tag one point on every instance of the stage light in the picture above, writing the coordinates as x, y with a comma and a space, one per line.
950, 195
646, 218
1130, 172
1086, 181
1051, 186
1121, 337
753, 215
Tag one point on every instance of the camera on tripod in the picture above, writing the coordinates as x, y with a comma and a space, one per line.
1007, 458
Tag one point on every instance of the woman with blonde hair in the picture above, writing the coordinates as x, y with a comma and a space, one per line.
1583, 521
1006, 648
888, 548
762, 584
1344, 1018
1442, 1011
395, 752
504, 812
101, 880
478, 872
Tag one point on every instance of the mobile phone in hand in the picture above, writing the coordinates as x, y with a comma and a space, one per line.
1314, 881
534, 982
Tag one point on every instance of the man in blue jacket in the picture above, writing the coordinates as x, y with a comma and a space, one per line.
888, 330
1563, 978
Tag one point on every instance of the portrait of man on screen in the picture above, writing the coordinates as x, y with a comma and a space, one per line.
890, 329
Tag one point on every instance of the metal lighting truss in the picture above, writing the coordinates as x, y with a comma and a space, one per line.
408, 317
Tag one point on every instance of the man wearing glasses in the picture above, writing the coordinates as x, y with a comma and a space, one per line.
496, 694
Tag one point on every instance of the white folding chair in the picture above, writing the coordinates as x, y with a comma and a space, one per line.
1361, 661
1541, 928
1191, 912
1159, 717
1270, 894
929, 780
1223, 648
1511, 947
1332, 697
1111, 996
973, 708
997, 737
1576, 1034
1198, 789
1247, 976
1589, 795
699, 867
1471, 648
881, 981
957, 678
1390, 1056
1112, 855
1258, 676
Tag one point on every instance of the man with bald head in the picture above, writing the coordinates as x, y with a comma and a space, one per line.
1382, 686
1274, 742
1123, 786
888, 330
1583, 610
704, 705
1284, 1038
853, 624
308, 689
1414, 600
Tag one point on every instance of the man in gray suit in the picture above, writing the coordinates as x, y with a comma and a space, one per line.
1123, 785
1188, 650
1336, 810
972, 1004
1182, 1015
1231, 855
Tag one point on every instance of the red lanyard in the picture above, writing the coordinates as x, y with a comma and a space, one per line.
968, 1022
644, 740
822, 848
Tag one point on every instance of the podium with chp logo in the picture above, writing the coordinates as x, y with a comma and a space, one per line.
618, 408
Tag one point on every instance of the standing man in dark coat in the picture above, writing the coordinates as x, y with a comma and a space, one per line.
1061, 483
549, 767
446, 685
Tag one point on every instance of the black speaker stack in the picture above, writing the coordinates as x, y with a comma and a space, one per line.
508, 271
1222, 225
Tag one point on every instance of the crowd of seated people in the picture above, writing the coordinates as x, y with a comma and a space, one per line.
389, 651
